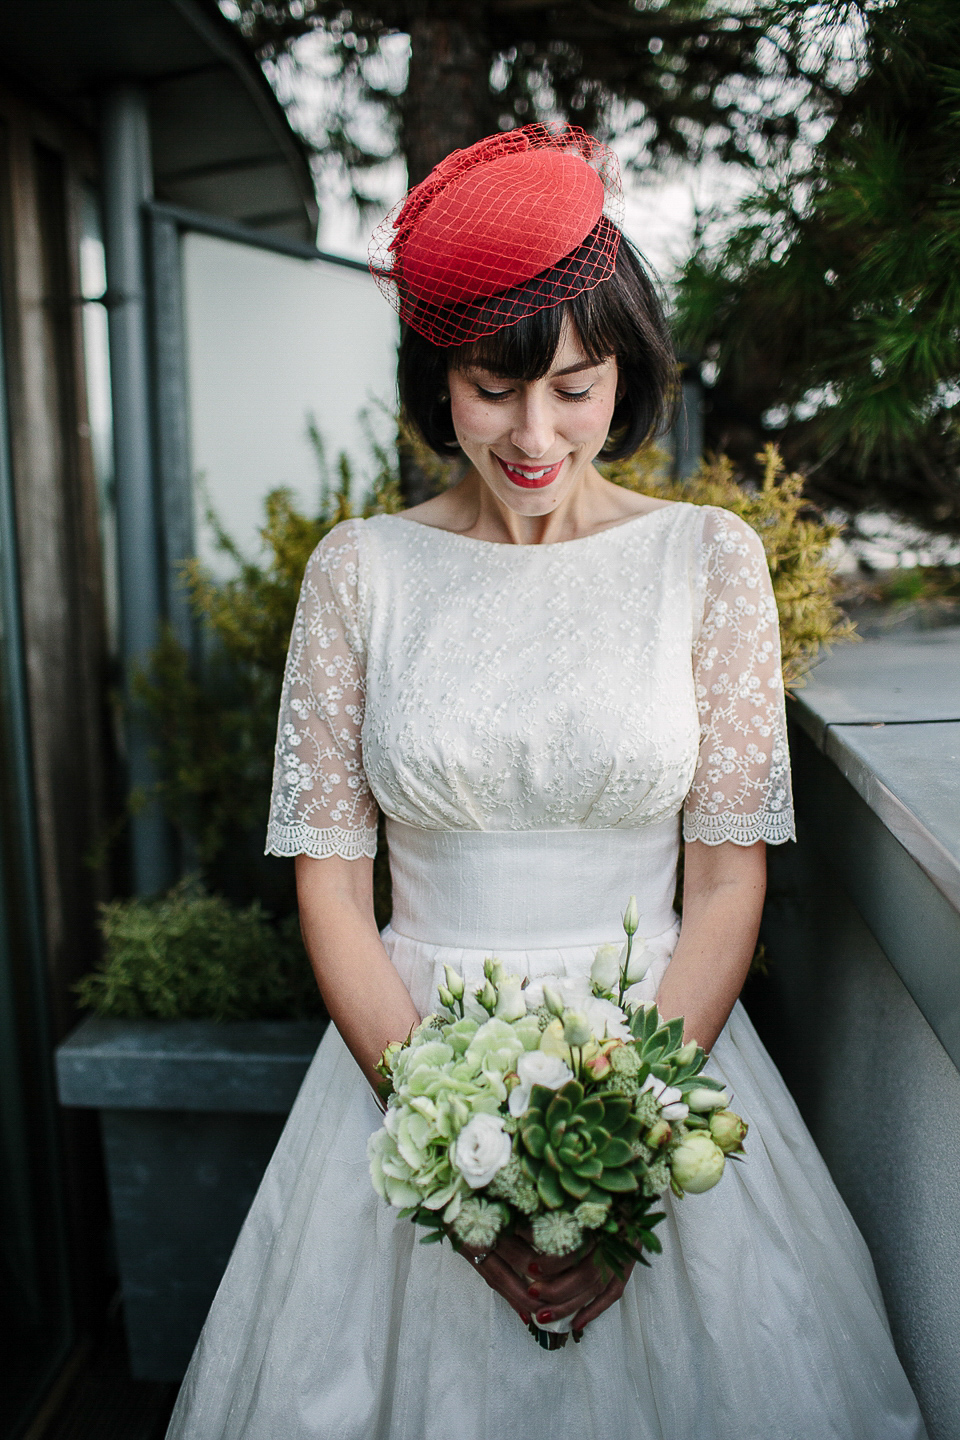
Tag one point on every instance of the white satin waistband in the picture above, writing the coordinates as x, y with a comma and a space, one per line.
530, 889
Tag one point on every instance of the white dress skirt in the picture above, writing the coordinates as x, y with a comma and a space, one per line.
532, 720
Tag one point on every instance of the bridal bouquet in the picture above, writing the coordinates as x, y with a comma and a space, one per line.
562, 1108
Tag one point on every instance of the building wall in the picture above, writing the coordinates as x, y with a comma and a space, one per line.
274, 342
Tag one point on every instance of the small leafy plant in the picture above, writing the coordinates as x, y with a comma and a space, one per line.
192, 955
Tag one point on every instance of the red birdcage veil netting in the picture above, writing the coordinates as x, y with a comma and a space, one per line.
519, 222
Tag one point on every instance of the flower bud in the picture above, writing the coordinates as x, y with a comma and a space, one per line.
605, 971
687, 1053
697, 1164
728, 1130
487, 997
445, 997
576, 1028
701, 1099
552, 999
389, 1057
631, 918
639, 963
599, 1066
510, 1002
493, 969
659, 1135
454, 982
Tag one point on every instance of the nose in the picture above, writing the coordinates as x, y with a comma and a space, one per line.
533, 431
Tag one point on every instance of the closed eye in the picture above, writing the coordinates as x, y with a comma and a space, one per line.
492, 394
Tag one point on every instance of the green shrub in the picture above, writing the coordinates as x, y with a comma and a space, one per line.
191, 956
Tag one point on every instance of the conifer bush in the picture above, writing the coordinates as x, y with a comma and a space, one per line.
192, 955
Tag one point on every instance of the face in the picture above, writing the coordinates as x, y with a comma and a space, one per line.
533, 441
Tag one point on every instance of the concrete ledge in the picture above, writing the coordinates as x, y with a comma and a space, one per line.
254, 1067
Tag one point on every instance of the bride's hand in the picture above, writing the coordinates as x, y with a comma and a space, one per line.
548, 1287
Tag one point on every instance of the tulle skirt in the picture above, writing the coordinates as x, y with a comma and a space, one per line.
761, 1320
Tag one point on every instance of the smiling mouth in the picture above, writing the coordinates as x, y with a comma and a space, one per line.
530, 477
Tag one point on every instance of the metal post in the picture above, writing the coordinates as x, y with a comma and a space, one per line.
688, 430
127, 186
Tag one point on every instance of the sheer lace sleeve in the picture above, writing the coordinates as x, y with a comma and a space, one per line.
741, 789
321, 804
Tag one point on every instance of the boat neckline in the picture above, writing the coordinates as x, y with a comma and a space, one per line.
551, 544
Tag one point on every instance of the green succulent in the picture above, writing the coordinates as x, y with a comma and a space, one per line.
578, 1146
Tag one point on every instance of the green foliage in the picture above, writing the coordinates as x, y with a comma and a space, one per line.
795, 537
214, 723
191, 955
832, 310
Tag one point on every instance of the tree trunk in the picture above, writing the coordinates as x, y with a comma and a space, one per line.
446, 107
447, 101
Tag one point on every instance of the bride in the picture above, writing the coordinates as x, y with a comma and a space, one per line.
533, 676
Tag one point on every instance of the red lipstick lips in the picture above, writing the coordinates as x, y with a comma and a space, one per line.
530, 477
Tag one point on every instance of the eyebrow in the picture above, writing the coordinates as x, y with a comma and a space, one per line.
553, 374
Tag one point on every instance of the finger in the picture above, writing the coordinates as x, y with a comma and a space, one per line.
584, 1281
608, 1296
501, 1278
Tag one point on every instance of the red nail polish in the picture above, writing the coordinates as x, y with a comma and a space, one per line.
525, 1318
545, 1316
533, 1268
533, 1291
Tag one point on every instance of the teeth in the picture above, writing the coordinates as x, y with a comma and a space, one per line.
531, 474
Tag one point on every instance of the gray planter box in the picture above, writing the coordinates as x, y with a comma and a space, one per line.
190, 1112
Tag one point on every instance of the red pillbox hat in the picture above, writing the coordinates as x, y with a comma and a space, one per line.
518, 222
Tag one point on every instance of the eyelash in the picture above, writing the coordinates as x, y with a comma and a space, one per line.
570, 395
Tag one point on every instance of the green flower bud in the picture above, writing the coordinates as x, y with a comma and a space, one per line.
446, 999
493, 969
552, 999
686, 1054
631, 919
728, 1130
487, 997
576, 1028
701, 1099
697, 1164
659, 1135
454, 982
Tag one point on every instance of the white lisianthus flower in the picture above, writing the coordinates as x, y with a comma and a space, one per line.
482, 1148
606, 1019
569, 992
701, 1098
535, 1068
607, 963
511, 1004
668, 1097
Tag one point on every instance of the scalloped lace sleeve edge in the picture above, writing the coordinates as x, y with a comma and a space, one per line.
773, 827
303, 839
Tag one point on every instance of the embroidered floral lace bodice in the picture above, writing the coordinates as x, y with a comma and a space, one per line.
596, 683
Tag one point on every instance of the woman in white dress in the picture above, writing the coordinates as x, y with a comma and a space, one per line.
533, 676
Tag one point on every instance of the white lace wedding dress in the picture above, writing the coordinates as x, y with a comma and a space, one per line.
532, 720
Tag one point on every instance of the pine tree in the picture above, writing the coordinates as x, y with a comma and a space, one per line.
832, 310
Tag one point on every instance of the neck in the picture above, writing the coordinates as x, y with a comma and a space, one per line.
577, 513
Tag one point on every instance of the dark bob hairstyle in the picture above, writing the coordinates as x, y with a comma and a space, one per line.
621, 318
